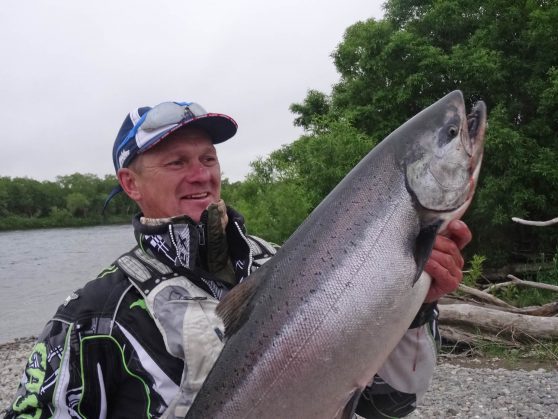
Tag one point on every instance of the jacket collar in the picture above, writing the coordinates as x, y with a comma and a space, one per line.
180, 243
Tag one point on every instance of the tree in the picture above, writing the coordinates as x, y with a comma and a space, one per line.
77, 204
502, 51
24, 197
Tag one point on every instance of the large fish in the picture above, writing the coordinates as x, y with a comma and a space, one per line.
308, 331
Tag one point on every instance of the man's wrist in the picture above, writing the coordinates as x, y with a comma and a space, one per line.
426, 313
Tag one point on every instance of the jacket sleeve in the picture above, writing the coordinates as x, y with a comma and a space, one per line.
34, 397
406, 374
53, 381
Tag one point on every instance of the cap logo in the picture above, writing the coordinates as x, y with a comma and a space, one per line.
123, 155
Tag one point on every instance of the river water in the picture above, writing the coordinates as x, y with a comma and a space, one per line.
40, 268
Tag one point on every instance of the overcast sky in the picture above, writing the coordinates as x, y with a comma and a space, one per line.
71, 70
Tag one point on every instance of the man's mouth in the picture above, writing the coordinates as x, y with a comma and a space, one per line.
201, 195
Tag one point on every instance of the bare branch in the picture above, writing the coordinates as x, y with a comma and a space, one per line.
494, 287
515, 280
535, 223
550, 309
484, 296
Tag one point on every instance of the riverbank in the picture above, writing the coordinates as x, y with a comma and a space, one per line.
13, 357
15, 223
461, 388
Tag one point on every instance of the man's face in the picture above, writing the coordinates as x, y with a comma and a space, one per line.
179, 176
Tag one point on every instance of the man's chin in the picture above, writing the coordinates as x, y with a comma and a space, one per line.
194, 208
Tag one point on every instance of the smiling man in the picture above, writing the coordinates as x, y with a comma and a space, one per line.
139, 340
181, 176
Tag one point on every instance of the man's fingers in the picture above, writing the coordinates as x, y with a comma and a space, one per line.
447, 252
446, 262
459, 232
442, 267
444, 281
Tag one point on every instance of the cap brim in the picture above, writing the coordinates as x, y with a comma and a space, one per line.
219, 127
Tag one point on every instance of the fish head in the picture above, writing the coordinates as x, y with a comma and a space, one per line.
443, 161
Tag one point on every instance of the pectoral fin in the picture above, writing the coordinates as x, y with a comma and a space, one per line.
423, 246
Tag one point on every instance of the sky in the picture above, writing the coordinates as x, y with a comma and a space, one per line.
72, 70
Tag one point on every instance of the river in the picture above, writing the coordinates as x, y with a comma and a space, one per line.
40, 268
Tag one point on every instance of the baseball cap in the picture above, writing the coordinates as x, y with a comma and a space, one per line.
145, 127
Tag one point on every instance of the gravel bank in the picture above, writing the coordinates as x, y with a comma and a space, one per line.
470, 392
457, 391
13, 357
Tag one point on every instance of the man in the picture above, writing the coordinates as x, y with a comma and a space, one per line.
139, 340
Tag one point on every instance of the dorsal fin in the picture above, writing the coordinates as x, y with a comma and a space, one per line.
236, 306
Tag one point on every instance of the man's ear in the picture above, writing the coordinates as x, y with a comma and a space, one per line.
129, 181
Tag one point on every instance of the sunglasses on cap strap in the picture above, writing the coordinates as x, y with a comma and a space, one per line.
159, 119
168, 113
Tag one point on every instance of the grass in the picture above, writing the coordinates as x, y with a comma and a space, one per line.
519, 296
537, 351
510, 355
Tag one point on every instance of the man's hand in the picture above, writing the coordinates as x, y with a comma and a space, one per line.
445, 263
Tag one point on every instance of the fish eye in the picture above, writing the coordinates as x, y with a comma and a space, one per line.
452, 130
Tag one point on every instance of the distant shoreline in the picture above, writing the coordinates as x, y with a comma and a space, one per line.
13, 223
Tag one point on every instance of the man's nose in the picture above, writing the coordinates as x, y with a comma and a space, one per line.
198, 172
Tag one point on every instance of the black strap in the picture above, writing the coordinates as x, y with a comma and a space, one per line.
426, 314
155, 276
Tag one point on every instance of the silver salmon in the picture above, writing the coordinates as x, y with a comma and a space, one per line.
307, 331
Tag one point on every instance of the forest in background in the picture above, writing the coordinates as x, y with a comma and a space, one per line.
501, 51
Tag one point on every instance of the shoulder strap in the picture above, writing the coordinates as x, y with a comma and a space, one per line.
144, 271
261, 250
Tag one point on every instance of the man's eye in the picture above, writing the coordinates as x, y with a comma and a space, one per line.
209, 160
175, 163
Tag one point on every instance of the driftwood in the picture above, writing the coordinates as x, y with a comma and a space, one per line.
516, 269
498, 323
480, 317
535, 223
550, 309
460, 339
521, 282
475, 317
484, 296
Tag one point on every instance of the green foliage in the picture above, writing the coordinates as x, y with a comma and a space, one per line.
474, 273
273, 210
527, 296
73, 200
77, 203
315, 105
501, 51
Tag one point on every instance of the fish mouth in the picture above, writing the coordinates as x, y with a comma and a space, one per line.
476, 125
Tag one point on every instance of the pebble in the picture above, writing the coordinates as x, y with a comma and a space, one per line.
455, 392
491, 393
